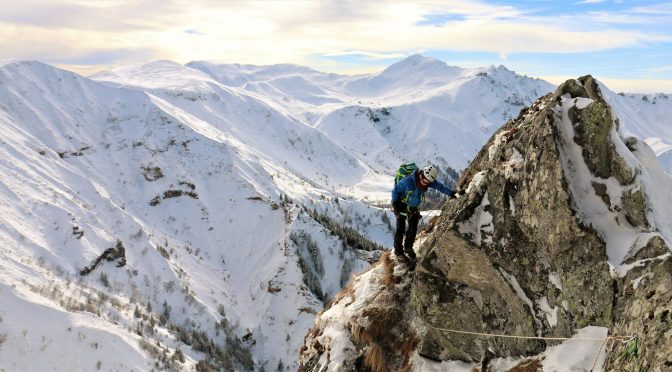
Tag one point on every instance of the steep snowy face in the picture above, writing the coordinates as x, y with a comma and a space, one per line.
134, 224
646, 116
560, 231
255, 122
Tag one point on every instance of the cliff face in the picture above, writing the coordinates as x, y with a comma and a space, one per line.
561, 225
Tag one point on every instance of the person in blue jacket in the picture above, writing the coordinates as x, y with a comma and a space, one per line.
407, 196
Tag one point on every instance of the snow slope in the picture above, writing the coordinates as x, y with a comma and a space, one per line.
197, 210
647, 116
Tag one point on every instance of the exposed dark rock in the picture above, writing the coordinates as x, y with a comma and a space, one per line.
118, 254
152, 173
601, 191
634, 206
644, 311
655, 247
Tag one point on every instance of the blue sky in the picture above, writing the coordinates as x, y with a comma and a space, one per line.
627, 44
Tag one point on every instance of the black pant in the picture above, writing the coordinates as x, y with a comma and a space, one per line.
413, 221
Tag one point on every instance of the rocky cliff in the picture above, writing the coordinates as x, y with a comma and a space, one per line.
562, 224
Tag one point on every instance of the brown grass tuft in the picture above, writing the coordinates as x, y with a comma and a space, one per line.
387, 263
407, 347
374, 358
381, 320
533, 365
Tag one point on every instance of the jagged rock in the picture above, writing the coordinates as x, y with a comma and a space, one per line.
534, 235
655, 247
601, 191
592, 130
118, 254
634, 206
517, 254
571, 87
457, 287
645, 310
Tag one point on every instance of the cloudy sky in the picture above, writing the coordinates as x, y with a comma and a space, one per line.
627, 44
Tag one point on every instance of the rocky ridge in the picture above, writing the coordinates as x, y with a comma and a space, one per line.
560, 227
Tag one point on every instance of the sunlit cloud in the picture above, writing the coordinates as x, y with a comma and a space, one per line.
369, 55
112, 32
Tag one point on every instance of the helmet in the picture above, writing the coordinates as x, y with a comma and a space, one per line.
429, 172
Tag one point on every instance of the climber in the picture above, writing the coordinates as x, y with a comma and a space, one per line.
410, 186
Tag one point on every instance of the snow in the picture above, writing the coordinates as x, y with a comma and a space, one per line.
476, 181
658, 146
421, 364
551, 313
496, 143
38, 326
577, 355
479, 226
335, 322
513, 165
645, 117
224, 248
638, 280
555, 279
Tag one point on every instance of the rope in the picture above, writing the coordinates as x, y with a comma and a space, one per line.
623, 339
620, 338
599, 351
437, 205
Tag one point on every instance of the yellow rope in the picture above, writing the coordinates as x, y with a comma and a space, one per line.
599, 351
623, 339
620, 338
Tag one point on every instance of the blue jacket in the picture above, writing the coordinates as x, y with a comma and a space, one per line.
410, 193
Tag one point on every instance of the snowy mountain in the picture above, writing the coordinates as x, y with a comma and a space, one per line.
419, 108
204, 213
646, 116
208, 255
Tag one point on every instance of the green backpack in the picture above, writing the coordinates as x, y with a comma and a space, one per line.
404, 170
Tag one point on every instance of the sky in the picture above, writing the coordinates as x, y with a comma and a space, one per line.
626, 44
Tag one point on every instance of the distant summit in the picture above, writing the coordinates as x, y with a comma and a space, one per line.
417, 64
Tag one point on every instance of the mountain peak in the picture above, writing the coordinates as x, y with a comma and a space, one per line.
419, 63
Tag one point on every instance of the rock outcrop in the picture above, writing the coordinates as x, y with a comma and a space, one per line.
557, 229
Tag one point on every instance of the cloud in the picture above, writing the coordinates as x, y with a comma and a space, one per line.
591, 2
639, 85
659, 70
265, 32
96, 16
368, 55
